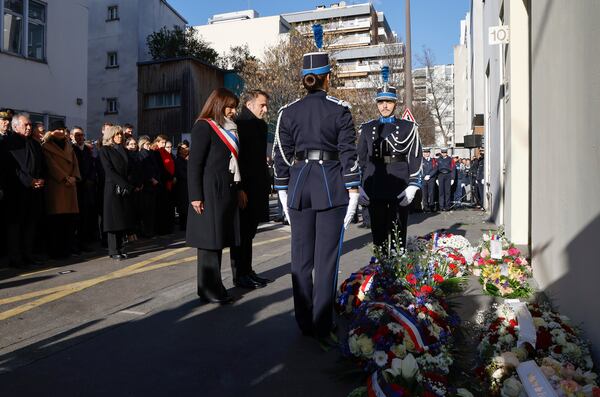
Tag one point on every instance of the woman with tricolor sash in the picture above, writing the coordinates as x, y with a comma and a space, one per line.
213, 178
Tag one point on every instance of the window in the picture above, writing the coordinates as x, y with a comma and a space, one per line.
13, 26
24, 28
113, 13
163, 100
112, 61
112, 106
36, 30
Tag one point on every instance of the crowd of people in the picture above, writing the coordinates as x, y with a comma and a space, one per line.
61, 194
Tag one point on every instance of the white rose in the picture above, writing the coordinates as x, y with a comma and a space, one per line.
409, 367
511, 388
353, 344
498, 374
539, 322
520, 353
366, 346
380, 358
510, 359
463, 393
399, 350
590, 377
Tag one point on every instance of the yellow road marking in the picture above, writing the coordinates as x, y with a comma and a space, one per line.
52, 294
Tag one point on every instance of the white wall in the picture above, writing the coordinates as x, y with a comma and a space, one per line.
462, 111
52, 87
257, 33
565, 208
477, 64
127, 36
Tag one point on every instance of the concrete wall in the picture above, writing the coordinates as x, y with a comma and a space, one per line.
127, 36
258, 34
462, 111
517, 116
52, 87
477, 64
565, 208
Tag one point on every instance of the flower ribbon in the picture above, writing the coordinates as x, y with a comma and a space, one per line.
365, 286
406, 321
374, 389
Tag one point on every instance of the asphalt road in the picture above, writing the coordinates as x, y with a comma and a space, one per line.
95, 327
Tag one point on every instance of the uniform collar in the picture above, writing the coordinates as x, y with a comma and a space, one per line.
387, 120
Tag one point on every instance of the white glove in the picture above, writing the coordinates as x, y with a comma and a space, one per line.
352, 204
483, 181
452, 182
362, 194
408, 195
437, 182
283, 198
427, 177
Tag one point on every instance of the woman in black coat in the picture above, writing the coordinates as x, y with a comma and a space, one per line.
213, 176
118, 215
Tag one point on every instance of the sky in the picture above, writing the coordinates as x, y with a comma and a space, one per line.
435, 23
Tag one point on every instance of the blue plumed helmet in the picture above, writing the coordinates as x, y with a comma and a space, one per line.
386, 92
316, 62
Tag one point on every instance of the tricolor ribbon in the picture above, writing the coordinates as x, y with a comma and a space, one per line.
406, 321
227, 137
374, 389
365, 286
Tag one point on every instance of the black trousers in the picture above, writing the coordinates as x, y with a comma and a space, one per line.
210, 284
20, 237
480, 192
115, 243
241, 256
61, 229
428, 193
148, 211
445, 190
385, 215
316, 244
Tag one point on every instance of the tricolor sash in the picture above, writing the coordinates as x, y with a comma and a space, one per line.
406, 321
229, 138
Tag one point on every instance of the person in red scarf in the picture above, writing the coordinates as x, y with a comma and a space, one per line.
165, 211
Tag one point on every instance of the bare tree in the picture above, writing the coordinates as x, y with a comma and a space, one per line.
440, 97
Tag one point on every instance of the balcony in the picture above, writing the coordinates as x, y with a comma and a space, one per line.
354, 40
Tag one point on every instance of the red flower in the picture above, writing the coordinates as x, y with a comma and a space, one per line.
544, 339
437, 278
426, 289
557, 349
411, 279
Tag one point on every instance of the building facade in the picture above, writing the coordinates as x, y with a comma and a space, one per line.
462, 89
434, 86
260, 33
542, 147
360, 39
117, 42
43, 60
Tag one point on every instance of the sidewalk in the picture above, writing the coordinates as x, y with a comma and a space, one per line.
184, 348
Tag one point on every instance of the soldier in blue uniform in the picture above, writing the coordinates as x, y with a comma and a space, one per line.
428, 189
390, 156
317, 178
446, 174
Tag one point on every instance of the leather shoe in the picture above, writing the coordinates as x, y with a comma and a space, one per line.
118, 257
247, 282
258, 279
221, 300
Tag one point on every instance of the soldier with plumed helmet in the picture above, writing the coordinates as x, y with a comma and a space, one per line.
317, 177
390, 156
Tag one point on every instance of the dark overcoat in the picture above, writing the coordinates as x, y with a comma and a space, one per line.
210, 181
256, 182
118, 215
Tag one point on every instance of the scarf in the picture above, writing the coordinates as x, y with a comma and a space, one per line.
169, 165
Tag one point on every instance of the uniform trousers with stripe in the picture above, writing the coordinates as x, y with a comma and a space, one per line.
316, 244
445, 190
386, 216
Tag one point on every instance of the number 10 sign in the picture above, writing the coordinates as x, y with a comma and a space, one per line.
499, 35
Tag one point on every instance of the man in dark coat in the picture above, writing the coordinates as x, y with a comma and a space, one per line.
429, 167
24, 182
252, 133
86, 190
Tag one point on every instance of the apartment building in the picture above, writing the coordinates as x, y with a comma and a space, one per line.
43, 60
117, 42
360, 39
259, 33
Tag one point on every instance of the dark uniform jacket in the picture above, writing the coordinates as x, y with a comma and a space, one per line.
252, 133
118, 215
480, 169
429, 167
316, 122
397, 140
446, 166
210, 180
